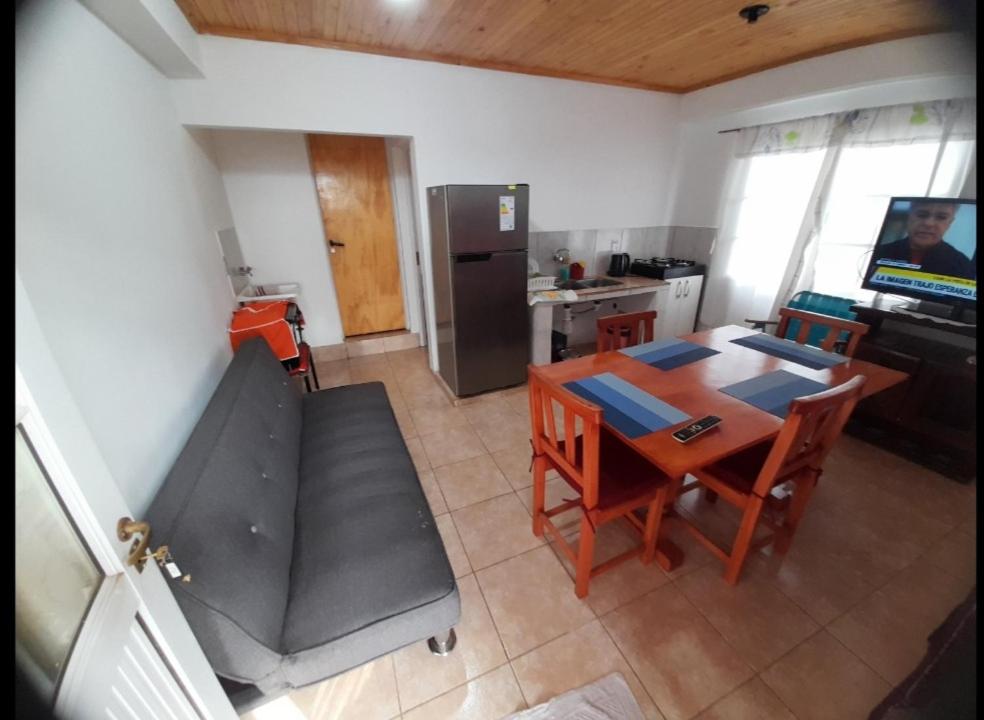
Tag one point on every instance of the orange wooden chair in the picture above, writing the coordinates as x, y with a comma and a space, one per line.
626, 329
611, 479
748, 478
837, 327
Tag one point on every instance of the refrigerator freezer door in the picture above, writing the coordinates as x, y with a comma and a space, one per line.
491, 321
476, 218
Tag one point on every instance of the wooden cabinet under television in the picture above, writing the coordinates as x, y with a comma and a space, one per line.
937, 405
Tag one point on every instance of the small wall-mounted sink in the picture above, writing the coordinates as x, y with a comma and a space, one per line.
586, 283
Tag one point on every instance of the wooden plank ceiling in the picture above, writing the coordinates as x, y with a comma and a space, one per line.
671, 45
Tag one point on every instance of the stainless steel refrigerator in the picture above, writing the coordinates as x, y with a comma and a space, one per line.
479, 241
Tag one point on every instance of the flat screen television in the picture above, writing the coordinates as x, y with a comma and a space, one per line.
927, 250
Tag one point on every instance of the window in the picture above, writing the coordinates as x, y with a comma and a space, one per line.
863, 179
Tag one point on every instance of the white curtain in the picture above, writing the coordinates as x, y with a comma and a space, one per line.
804, 199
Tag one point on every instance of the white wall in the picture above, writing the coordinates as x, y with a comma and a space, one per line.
274, 203
929, 67
116, 211
594, 155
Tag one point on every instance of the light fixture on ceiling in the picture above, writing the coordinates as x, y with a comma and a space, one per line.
753, 12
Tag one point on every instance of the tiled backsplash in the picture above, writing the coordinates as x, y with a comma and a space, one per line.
594, 247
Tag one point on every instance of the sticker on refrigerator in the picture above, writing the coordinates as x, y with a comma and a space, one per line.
507, 212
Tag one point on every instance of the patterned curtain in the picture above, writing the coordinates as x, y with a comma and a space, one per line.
889, 125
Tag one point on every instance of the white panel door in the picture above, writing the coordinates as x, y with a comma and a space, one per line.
97, 638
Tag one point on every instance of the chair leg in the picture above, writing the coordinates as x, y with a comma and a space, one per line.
585, 556
651, 534
539, 493
743, 540
797, 506
314, 374
307, 381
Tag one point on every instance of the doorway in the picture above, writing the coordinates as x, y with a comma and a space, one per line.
355, 196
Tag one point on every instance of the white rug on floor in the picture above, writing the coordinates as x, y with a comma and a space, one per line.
607, 698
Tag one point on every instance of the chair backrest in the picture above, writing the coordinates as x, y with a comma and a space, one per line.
626, 329
822, 305
813, 424
833, 329
561, 447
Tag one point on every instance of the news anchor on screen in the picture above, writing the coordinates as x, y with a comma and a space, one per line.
926, 250
924, 244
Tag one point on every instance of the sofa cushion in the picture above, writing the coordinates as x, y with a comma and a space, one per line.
226, 510
369, 570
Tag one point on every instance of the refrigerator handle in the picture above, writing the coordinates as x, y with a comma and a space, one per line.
473, 257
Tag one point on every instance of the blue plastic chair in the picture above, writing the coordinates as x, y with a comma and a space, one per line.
818, 303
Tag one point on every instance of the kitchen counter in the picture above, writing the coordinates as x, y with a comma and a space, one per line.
630, 285
541, 313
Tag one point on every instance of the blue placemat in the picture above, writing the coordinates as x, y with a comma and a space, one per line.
810, 357
669, 353
631, 411
773, 391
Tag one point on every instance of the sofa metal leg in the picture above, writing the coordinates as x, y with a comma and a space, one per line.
443, 643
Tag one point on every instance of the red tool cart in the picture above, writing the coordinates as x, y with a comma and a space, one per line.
281, 324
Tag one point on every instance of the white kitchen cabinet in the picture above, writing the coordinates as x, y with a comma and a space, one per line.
678, 308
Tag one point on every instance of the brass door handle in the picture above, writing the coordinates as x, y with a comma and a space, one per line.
125, 530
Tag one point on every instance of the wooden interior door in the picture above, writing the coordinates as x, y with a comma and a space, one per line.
352, 178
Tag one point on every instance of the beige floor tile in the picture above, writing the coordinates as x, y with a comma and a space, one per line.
680, 658
575, 659
471, 481
437, 417
403, 419
451, 445
403, 341
370, 369
889, 630
956, 553
435, 498
487, 408
501, 432
365, 693
821, 679
333, 374
421, 675
532, 600
417, 454
368, 347
752, 701
494, 530
621, 584
760, 622
557, 492
452, 546
833, 563
414, 356
329, 353
489, 697
514, 462
695, 555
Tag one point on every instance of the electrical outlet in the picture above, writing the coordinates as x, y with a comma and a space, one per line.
614, 245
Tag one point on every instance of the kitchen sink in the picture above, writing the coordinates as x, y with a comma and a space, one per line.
586, 283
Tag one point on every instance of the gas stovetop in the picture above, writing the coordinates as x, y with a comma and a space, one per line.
664, 268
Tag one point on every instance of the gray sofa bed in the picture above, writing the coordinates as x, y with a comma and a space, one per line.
303, 525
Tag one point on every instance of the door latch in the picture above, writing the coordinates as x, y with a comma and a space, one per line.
126, 529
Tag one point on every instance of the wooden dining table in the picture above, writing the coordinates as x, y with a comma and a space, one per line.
694, 388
